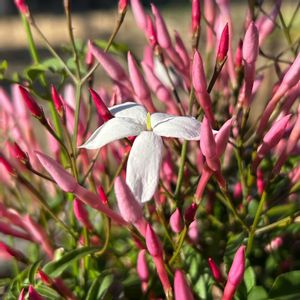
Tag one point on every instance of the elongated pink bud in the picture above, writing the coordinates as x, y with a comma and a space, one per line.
140, 87
223, 45
22, 294
89, 58
8, 167
193, 232
129, 208
215, 270
181, 50
274, 245
208, 146
122, 6
176, 221
31, 104
205, 103
182, 290
196, 15
22, 7
260, 184
112, 67
19, 256
151, 33
9, 230
237, 191
33, 294
205, 176
198, 74
139, 14
102, 195
102, 109
58, 102
239, 55
153, 244
68, 184
19, 154
235, 275
81, 214
142, 266
190, 212
222, 137
45, 278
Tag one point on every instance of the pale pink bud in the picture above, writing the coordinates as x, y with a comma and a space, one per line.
209, 12
250, 44
215, 270
31, 104
196, 15
275, 244
142, 266
9, 230
208, 146
193, 231
81, 214
122, 6
89, 58
8, 167
205, 176
112, 67
198, 74
182, 291
129, 208
222, 137
19, 256
22, 6
102, 109
151, 33
19, 154
102, 195
139, 14
176, 221
152, 242
235, 275
33, 294
223, 45
22, 294
181, 50
205, 103
58, 102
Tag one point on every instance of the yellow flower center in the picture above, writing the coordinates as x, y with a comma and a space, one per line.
148, 121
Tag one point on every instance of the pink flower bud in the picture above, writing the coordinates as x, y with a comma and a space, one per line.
142, 267
237, 191
182, 290
205, 103
151, 33
81, 214
176, 221
102, 109
198, 74
45, 278
190, 212
250, 44
5, 228
235, 275
196, 15
22, 295
193, 231
18, 153
58, 102
215, 270
139, 14
274, 245
181, 50
33, 107
222, 137
19, 256
205, 176
260, 184
152, 242
122, 6
33, 294
22, 6
239, 55
223, 45
89, 58
102, 195
8, 167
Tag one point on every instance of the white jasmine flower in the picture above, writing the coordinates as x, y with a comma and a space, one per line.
131, 119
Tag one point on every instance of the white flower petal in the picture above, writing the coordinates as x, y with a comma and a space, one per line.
143, 165
130, 110
112, 130
187, 128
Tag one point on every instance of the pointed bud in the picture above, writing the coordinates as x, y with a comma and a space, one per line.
19, 256
196, 15
102, 109
8, 167
237, 191
89, 58
260, 184
222, 137
250, 44
235, 275
182, 290
22, 7
142, 267
45, 278
205, 176
223, 45
176, 221
102, 195
81, 214
215, 270
139, 14
6, 228
190, 212
193, 231
18, 153
122, 6
22, 294
129, 208
152, 242
33, 294
151, 33
198, 74
31, 104
58, 102
239, 55
274, 245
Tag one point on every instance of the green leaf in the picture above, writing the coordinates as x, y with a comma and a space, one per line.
3, 68
105, 285
233, 244
93, 291
47, 292
286, 285
55, 268
34, 71
116, 48
32, 271
249, 278
258, 293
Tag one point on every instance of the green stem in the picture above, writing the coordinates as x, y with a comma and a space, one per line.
76, 119
179, 246
256, 220
181, 169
